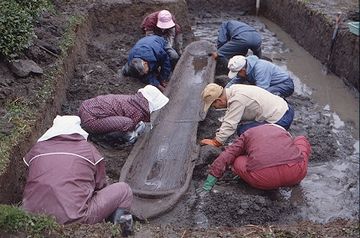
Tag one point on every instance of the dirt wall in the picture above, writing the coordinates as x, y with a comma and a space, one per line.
125, 16
12, 182
313, 30
245, 7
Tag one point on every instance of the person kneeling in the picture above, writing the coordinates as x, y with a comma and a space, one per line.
67, 178
266, 157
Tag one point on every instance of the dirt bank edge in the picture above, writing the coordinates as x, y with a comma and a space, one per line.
56, 79
313, 29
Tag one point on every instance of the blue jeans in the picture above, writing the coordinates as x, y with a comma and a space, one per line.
285, 121
283, 90
241, 46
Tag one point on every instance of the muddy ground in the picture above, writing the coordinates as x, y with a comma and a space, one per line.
233, 204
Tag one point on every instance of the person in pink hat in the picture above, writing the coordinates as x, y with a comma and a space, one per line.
162, 23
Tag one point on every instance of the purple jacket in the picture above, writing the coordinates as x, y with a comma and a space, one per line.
130, 109
64, 173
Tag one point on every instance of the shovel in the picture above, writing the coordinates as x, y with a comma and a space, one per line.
325, 68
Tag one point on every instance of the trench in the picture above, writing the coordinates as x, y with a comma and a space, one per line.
330, 190
326, 111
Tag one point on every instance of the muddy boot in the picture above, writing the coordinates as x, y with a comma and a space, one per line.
123, 218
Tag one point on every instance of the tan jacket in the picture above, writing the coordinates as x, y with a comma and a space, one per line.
249, 103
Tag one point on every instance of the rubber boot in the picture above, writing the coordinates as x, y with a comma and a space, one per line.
140, 128
123, 218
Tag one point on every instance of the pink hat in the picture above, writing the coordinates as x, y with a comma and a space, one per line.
165, 20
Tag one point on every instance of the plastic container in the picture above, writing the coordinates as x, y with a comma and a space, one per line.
354, 27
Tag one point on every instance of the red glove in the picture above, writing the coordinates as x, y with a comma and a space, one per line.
212, 142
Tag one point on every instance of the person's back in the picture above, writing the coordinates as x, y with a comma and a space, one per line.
134, 107
236, 38
269, 76
260, 143
266, 157
247, 106
61, 177
235, 29
67, 177
258, 104
149, 51
147, 48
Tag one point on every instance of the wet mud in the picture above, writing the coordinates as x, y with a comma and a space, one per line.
106, 38
334, 154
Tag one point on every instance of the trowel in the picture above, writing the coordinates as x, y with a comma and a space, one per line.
325, 68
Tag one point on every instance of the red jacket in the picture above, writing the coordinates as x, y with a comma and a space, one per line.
266, 146
64, 173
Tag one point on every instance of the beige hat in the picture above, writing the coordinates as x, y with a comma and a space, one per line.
210, 93
235, 64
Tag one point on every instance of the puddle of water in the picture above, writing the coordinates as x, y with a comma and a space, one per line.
326, 89
199, 64
331, 189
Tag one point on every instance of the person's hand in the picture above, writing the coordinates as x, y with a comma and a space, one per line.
209, 183
212, 142
164, 83
213, 55
161, 88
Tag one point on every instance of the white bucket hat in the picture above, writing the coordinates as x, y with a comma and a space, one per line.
235, 64
64, 125
156, 99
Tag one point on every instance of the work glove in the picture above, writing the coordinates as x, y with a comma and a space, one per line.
164, 83
212, 142
209, 182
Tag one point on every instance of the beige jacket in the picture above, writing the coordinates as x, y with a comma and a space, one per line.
249, 103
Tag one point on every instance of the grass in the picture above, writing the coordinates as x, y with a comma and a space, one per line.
68, 39
14, 220
21, 112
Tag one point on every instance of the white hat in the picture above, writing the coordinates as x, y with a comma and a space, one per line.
64, 125
235, 64
165, 20
155, 97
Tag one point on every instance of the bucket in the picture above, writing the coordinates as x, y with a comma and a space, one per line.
354, 27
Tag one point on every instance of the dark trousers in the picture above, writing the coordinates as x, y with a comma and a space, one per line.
285, 121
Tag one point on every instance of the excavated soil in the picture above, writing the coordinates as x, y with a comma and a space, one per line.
113, 30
